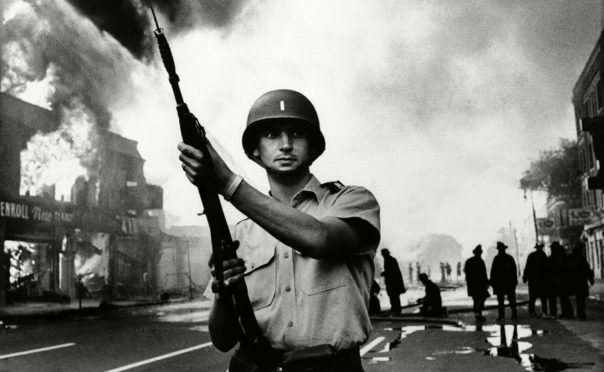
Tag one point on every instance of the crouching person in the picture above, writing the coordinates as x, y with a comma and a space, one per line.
431, 303
308, 246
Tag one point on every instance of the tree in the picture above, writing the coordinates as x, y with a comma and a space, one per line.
556, 172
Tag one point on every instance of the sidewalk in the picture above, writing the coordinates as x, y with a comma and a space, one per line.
31, 311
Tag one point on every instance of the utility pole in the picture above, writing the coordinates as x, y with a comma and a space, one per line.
517, 254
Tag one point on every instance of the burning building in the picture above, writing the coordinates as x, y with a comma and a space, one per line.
104, 228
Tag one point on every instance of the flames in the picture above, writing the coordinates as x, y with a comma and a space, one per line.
54, 59
58, 158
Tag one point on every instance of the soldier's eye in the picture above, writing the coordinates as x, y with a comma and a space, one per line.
298, 133
270, 134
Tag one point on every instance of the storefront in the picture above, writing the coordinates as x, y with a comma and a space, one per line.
46, 244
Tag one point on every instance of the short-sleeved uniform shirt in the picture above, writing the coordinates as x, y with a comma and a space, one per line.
301, 301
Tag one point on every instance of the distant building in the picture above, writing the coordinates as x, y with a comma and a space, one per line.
588, 101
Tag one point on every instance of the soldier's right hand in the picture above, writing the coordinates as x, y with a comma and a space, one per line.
193, 165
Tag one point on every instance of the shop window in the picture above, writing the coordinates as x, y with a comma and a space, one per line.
31, 270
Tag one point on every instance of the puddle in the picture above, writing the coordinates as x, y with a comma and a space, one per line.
4, 326
201, 328
376, 360
504, 340
187, 317
553, 365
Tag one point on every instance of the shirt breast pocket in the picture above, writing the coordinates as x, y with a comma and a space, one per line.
261, 274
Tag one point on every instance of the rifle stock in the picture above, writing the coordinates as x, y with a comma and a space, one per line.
223, 246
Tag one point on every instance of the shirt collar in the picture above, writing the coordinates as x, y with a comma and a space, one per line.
312, 187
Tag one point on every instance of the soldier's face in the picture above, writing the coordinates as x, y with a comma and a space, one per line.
284, 147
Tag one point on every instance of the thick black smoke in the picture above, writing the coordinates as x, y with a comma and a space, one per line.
128, 21
122, 19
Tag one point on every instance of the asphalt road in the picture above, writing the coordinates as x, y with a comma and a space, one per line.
175, 338
153, 339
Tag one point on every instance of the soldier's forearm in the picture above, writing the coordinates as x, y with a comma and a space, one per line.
308, 235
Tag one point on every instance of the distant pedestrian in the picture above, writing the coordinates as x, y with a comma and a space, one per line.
448, 270
410, 272
393, 280
432, 302
579, 278
504, 281
443, 276
374, 301
419, 269
458, 271
535, 274
557, 284
478, 282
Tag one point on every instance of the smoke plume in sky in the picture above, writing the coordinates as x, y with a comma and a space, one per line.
436, 106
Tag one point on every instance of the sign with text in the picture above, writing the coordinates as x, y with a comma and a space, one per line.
30, 211
546, 226
579, 216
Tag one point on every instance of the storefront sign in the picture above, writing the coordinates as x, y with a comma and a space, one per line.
23, 211
579, 216
546, 226
57, 214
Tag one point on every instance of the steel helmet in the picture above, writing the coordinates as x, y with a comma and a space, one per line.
282, 104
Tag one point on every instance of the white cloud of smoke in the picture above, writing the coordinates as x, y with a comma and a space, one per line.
435, 106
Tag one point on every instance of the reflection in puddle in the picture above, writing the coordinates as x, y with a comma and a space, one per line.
504, 340
201, 328
191, 317
376, 360
552, 365
7, 326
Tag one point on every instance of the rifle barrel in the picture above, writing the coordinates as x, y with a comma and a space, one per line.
154, 17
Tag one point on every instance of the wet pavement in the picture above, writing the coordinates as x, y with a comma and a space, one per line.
412, 343
459, 343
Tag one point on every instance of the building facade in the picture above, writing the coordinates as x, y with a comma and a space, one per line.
104, 232
588, 102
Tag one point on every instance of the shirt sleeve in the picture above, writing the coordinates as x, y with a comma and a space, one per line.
358, 203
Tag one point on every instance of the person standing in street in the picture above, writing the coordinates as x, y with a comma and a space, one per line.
478, 282
393, 280
557, 282
504, 281
411, 273
535, 274
580, 276
308, 246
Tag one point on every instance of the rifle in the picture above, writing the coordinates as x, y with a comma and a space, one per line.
223, 246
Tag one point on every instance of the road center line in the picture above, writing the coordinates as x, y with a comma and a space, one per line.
165, 356
6, 356
370, 345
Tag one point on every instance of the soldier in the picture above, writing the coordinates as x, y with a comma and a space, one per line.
309, 247
504, 281
535, 273
478, 283
393, 280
